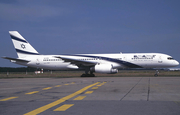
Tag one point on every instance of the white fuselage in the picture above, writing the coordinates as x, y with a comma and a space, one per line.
118, 61
99, 63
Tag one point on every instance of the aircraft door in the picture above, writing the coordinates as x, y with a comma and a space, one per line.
37, 61
99, 59
160, 59
126, 58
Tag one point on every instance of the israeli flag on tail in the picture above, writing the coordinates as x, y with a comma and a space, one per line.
22, 46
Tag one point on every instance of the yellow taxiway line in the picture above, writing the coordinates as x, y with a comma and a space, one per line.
64, 107
79, 98
6, 99
58, 86
31, 92
94, 88
88, 92
47, 88
44, 108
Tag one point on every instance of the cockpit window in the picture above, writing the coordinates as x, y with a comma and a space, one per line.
170, 58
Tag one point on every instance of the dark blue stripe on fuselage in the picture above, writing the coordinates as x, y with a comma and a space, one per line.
18, 39
128, 64
25, 52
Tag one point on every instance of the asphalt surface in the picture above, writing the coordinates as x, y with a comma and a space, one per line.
90, 96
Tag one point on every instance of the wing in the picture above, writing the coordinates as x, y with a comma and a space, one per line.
77, 61
16, 59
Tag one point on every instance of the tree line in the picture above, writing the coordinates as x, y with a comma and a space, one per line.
18, 69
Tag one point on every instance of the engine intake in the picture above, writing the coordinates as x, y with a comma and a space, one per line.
104, 68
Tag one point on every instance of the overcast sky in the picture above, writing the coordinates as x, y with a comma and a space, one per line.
91, 26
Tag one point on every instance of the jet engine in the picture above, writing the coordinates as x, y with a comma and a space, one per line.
104, 68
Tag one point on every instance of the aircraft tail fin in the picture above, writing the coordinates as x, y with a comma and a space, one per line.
22, 46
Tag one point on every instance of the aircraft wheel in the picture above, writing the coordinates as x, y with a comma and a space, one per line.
92, 75
155, 75
83, 75
87, 75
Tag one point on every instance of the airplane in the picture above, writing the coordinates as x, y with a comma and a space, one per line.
90, 63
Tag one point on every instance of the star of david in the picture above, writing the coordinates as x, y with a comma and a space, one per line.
23, 46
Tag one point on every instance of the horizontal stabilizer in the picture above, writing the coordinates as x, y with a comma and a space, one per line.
16, 59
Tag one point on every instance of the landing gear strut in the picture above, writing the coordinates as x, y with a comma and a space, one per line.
87, 73
156, 73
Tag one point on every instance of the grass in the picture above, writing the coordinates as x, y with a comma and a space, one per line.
72, 74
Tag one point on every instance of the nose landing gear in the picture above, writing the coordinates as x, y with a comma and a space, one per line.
156, 73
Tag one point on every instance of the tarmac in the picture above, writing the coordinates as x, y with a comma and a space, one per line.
90, 96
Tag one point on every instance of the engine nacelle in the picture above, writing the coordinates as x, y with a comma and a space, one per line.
104, 68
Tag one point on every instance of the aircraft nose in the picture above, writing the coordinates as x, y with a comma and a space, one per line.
176, 63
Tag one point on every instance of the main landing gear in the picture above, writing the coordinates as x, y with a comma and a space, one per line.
87, 74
